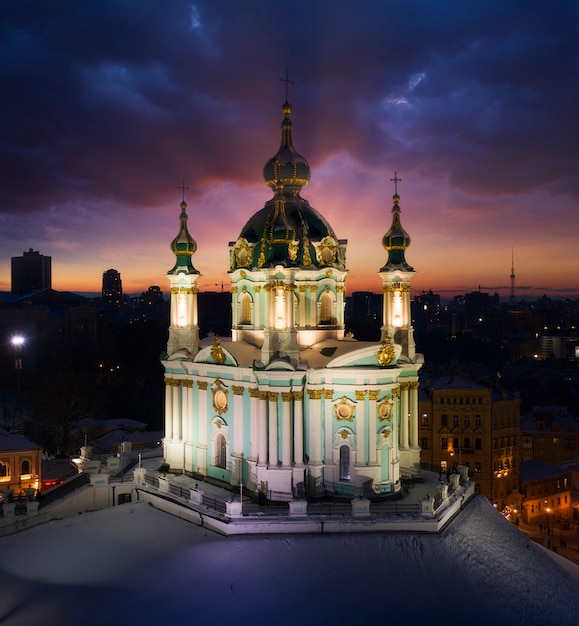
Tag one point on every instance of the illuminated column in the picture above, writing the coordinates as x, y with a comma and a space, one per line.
404, 416
262, 427
396, 410
372, 408
361, 434
238, 419
187, 409
313, 306
234, 308
273, 429
177, 409
328, 453
298, 427
257, 307
286, 420
303, 298
414, 414
253, 423
202, 423
168, 408
315, 447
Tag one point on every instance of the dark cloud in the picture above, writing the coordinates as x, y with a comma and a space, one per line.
117, 101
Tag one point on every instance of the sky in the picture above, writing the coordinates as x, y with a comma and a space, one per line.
109, 105
135, 565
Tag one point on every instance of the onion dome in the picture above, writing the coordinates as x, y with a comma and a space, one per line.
287, 170
396, 241
287, 231
183, 246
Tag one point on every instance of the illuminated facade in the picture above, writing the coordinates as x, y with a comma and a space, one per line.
20, 463
291, 405
463, 422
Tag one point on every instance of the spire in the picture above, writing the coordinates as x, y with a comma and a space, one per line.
287, 170
396, 240
183, 246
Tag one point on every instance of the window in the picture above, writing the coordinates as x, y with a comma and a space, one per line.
3, 469
424, 421
467, 442
444, 443
455, 420
25, 467
424, 443
467, 420
344, 463
477, 467
220, 451
444, 419
477, 420
478, 443
455, 443
326, 309
245, 310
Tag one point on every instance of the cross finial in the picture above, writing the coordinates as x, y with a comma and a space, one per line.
396, 180
287, 82
183, 188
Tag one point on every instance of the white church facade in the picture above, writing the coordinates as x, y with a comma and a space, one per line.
291, 405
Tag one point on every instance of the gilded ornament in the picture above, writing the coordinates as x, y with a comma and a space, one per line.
373, 394
385, 409
344, 434
298, 395
272, 396
292, 250
307, 256
253, 393
202, 384
315, 394
237, 390
344, 409
286, 396
328, 394
386, 353
360, 394
217, 353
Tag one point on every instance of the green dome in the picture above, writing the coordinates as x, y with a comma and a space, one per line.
183, 246
396, 241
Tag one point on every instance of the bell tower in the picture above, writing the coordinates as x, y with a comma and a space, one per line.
396, 275
184, 323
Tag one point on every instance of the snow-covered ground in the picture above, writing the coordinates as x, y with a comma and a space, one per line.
135, 565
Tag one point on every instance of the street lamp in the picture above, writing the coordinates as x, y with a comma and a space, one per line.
17, 342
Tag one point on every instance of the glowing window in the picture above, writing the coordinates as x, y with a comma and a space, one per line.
325, 309
245, 310
3, 469
25, 468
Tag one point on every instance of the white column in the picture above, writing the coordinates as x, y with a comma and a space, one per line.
262, 428
168, 408
187, 409
303, 298
238, 419
404, 416
372, 428
328, 454
298, 427
286, 421
177, 409
313, 306
257, 306
396, 412
273, 429
361, 431
253, 423
202, 424
315, 415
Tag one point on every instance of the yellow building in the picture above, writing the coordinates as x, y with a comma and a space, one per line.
466, 423
20, 463
546, 491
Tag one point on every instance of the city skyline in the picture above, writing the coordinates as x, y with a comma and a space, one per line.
474, 106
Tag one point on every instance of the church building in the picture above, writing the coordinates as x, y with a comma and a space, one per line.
292, 405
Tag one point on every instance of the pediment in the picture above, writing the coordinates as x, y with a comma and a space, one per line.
208, 355
366, 357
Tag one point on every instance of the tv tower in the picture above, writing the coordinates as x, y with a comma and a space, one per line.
513, 278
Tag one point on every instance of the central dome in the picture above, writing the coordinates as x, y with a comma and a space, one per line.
287, 231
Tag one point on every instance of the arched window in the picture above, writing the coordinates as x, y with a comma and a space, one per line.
344, 463
326, 309
3, 469
25, 467
220, 452
245, 317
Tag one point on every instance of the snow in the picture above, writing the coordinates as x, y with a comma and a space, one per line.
133, 564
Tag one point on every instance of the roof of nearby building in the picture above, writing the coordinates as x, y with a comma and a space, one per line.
11, 442
535, 470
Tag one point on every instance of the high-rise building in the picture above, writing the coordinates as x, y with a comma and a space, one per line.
31, 272
112, 291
